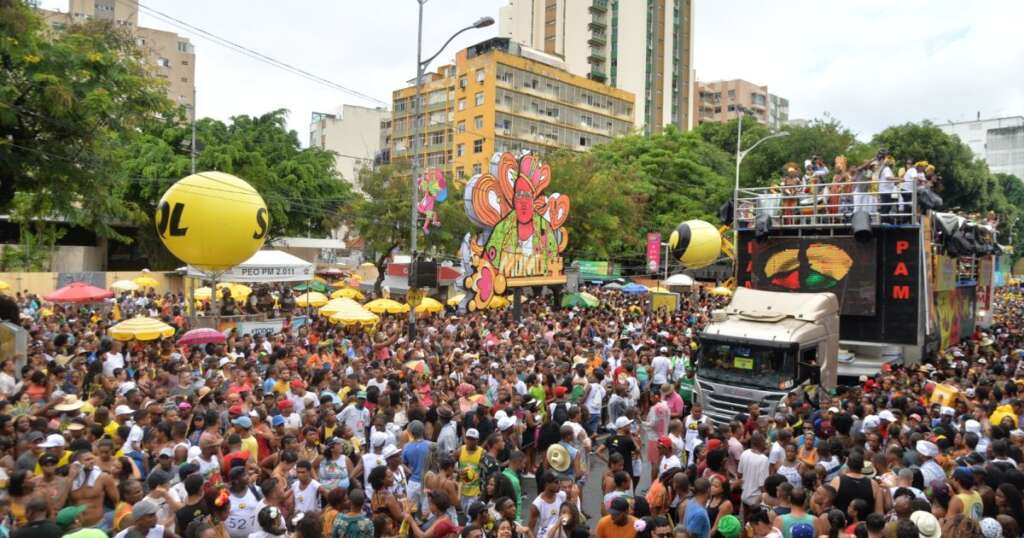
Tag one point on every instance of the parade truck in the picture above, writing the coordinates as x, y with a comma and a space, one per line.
909, 280
764, 345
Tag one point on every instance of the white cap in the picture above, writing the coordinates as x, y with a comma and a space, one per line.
505, 423
970, 392
377, 439
833, 409
123, 410
871, 422
54, 440
927, 449
622, 422
223, 361
887, 416
391, 450
472, 434
972, 426
947, 411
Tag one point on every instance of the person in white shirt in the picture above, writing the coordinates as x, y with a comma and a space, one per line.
669, 458
306, 491
593, 399
777, 455
357, 417
246, 503
887, 187
692, 425
752, 471
113, 359
661, 365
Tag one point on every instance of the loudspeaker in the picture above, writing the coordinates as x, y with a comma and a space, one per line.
725, 213
423, 274
861, 224
927, 200
762, 226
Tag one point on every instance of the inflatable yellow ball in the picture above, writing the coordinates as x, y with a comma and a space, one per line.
695, 244
212, 220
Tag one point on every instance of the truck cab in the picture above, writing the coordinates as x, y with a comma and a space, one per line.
764, 345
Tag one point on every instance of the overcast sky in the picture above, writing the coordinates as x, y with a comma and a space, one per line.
869, 63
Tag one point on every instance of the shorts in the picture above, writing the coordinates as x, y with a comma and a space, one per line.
593, 422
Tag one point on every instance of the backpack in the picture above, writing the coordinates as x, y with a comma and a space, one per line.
346, 526
560, 414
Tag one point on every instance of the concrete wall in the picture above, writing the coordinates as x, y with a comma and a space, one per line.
44, 283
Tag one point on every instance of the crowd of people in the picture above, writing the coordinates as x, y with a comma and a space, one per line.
484, 426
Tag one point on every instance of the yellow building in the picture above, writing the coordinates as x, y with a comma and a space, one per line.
500, 96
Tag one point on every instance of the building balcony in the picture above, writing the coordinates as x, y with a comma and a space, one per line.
599, 76
597, 23
597, 40
594, 58
599, 6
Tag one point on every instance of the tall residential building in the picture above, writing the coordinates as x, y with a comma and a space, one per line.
999, 141
353, 133
172, 57
642, 46
720, 101
502, 96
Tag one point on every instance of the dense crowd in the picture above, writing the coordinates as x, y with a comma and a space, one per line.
326, 430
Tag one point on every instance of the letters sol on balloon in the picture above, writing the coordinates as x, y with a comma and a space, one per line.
212, 220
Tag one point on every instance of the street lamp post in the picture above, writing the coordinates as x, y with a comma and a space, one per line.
742, 154
421, 67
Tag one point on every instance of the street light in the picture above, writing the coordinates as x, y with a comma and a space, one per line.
421, 67
742, 154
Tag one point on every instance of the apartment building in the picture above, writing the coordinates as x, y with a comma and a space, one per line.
502, 96
721, 101
171, 57
353, 133
642, 46
997, 141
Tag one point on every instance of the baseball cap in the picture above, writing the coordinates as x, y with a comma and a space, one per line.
475, 509
472, 434
243, 422
560, 391
35, 437
378, 439
664, 441
123, 410
619, 505
277, 420
235, 410
622, 422
166, 452
143, 508
729, 526
54, 440
361, 395
391, 450
963, 475
67, 515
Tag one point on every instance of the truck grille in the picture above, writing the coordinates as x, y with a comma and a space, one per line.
721, 407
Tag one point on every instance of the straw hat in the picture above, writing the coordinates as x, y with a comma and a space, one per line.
70, 403
558, 458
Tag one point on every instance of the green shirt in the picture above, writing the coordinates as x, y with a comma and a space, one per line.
513, 477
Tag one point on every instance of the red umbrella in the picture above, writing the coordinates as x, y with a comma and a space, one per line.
202, 336
79, 292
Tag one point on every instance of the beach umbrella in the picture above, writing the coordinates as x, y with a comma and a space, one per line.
141, 329
336, 305
313, 285
612, 286
348, 293
429, 305
582, 299
124, 285
659, 289
498, 302
330, 271
419, 366
679, 279
238, 291
353, 314
634, 289
721, 291
79, 292
202, 294
146, 281
311, 298
381, 306
198, 337
456, 300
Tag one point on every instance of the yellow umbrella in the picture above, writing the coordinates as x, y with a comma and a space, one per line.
311, 298
429, 305
238, 291
202, 294
337, 305
4, 285
659, 289
146, 282
454, 301
498, 301
123, 285
348, 293
721, 291
141, 329
380, 306
354, 315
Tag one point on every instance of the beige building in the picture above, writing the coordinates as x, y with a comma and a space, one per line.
720, 101
501, 96
353, 133
171, 56
641, 46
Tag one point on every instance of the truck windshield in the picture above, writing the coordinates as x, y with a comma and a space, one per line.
745, 364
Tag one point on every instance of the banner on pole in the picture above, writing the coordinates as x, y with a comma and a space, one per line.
653, 251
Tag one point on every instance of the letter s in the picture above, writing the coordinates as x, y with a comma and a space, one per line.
261, 221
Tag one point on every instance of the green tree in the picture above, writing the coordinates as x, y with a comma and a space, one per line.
1011, 230
304, 194
70, 101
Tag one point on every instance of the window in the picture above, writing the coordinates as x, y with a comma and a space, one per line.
437, 138
462, 104
163, 62
184, 62
478, 147
477, 169
460, 127
507, 100
184, 79
184, 46
460, 172
478, 123
480, 73
584, 141
586, 120
460, 149
732, 95
479, 98
462, 83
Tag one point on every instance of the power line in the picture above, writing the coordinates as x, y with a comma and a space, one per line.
256, 55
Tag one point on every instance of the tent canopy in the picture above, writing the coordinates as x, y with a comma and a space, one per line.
264, 266
678, 279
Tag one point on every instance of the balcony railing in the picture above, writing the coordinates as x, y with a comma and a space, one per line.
599, 6
823, 205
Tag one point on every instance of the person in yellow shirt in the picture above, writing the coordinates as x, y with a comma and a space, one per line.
243, 427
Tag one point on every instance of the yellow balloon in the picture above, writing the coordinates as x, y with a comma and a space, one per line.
695, 244
212, 220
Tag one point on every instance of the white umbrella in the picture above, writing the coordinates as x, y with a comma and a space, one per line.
612, 286
678, 279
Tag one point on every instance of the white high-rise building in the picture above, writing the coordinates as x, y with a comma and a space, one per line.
353, 133
641, 46
999, 141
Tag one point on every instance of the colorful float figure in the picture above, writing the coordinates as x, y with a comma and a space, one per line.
433, 187
523, 237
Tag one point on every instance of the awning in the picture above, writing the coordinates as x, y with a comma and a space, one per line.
264, 266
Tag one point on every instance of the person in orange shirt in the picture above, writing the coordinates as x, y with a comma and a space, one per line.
619, 523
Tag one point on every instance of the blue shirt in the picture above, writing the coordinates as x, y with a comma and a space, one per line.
696, 520
414, 456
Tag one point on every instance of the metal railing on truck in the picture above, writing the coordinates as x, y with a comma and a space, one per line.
820, 206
